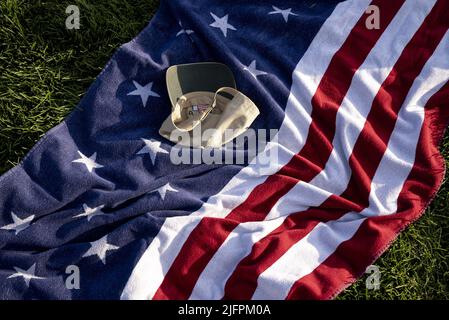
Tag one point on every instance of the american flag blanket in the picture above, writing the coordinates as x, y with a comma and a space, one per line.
97, 210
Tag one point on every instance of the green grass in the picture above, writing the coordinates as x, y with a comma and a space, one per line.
45, 69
